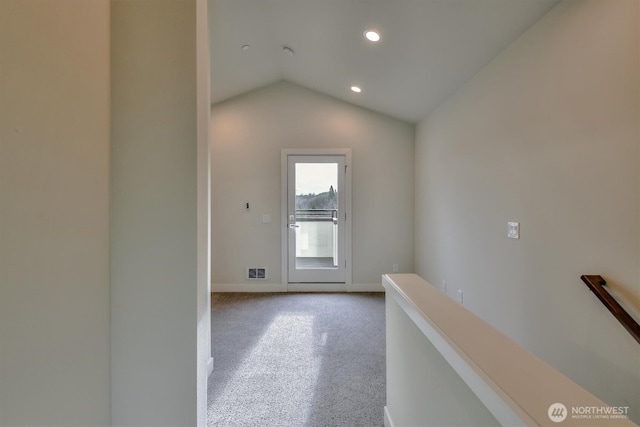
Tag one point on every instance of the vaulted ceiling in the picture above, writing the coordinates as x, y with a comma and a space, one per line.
428, 48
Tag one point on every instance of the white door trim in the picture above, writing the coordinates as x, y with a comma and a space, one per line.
285, 153
337, 274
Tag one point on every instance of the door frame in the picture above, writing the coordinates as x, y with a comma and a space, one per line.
284, 224
336, 274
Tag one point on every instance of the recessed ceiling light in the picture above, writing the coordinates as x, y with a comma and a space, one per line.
245, 47
356, 89
372, 35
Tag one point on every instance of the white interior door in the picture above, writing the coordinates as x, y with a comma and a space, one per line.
316, 219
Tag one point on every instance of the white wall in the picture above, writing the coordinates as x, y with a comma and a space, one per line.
422, 387
54, 213
547, 134
248, 133
155, 303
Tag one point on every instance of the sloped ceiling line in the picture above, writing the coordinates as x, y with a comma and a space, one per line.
428, 47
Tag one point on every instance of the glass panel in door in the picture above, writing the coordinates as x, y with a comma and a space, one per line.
316, 219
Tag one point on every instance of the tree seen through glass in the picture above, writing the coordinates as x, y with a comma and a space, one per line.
326, 200
316, 186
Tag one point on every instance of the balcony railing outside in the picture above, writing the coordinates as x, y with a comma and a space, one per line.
317, 235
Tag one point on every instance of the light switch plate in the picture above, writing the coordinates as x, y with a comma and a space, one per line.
513, 231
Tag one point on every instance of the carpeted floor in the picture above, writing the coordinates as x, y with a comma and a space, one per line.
297, 360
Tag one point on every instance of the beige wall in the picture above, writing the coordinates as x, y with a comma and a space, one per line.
58, 73
547, 134
154, 217
54, 213
248, 133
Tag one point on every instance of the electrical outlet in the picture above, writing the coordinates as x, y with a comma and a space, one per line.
460, 296
396, 268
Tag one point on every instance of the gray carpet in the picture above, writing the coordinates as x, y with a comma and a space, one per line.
297, 360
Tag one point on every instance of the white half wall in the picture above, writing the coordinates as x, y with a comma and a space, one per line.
422, 387
54, 213
547, 134
248, 133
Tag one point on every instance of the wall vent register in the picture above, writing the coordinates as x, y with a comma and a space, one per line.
256, 273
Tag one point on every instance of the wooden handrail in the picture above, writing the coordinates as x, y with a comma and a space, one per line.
596, 284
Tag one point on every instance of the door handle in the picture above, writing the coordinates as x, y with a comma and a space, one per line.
294, 226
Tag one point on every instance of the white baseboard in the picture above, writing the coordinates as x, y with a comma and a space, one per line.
296, 287
209, 367
246, 287
387, 418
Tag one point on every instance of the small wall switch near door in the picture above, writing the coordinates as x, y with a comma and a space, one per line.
396, 268
460, 296
443, 288
513, 231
